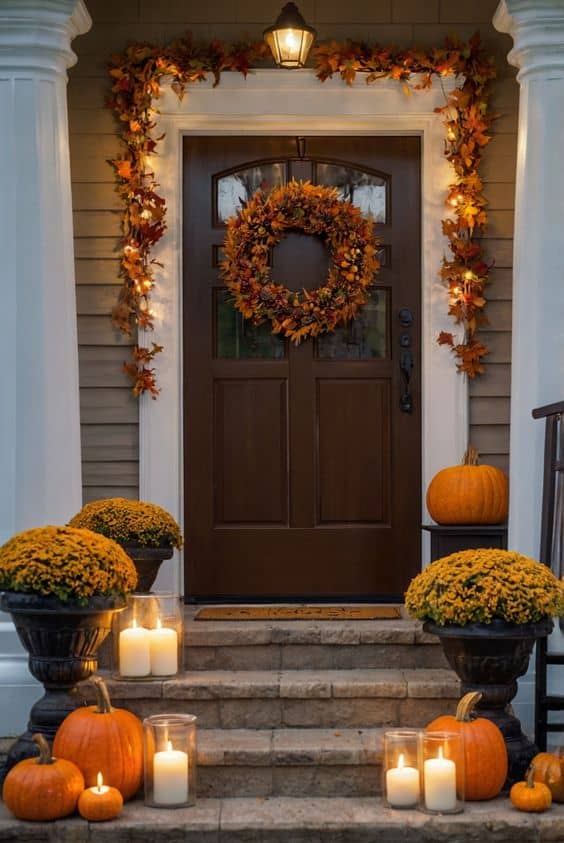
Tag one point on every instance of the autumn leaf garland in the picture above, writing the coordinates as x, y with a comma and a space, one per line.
137, 75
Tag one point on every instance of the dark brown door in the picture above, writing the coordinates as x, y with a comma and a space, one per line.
302, 464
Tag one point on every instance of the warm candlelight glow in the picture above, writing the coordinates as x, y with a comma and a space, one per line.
170, 776
440, 783
402, 785
100, 788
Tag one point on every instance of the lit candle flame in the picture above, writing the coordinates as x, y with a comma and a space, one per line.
169, 746
401, 761
159, 624
134, 624
440, 755
99, 782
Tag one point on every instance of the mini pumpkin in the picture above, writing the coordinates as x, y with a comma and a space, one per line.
43, 788
549, 769
531, 795
485, 754
100, 738
100, 803
469, 493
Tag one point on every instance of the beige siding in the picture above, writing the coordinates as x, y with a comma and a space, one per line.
109, 413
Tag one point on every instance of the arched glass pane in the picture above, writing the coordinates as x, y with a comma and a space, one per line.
365, 190
233, 190
365, 338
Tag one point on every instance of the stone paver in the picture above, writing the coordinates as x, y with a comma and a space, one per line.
295, 820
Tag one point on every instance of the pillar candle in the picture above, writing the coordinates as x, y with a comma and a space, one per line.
134, 651
440, 783
170, 777
164, 651
402, 785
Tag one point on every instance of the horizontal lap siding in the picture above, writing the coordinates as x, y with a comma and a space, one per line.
109, 415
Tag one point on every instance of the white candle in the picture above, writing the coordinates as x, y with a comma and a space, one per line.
402, 785
164, 651
134, 651
170, 777
100, 788
440, 783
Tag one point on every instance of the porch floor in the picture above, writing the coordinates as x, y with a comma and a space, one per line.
292, 820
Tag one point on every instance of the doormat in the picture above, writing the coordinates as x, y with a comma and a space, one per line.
298, 613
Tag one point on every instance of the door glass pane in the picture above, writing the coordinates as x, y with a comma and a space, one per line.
234, 189
237, 339
365, 338
365, 190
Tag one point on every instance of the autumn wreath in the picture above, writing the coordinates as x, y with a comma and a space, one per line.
261, 224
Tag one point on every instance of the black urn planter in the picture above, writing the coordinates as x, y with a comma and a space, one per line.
62, 640
147, 561
490, 657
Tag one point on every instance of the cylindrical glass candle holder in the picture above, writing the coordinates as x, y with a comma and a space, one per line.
402, 778
148, 637
170, 760
443, 773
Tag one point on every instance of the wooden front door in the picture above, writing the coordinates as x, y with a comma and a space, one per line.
302, 464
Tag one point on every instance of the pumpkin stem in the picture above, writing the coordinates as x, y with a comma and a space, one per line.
465, 707
44, 750
471, 456
531, 776
103, 704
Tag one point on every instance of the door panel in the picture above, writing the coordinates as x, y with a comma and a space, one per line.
354, 451
302, 475
250, 421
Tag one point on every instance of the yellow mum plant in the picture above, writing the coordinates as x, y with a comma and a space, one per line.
130, 523
485, 585
66, 562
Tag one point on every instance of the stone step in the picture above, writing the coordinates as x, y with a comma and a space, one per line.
268, 699
308, 645
289, 762
291, 820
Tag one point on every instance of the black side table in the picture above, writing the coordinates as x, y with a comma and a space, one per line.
454, 537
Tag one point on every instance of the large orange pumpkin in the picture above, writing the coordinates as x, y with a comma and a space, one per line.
100, 738
485, 754
469, 493
43, 788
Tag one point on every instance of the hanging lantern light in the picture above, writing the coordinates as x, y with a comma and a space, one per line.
290, 38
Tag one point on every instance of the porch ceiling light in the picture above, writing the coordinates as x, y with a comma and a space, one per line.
290, 38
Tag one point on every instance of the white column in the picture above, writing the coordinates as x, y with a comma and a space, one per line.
537, 371
40, 475
537, 357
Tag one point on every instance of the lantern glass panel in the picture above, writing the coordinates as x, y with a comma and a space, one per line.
443, 772
148, 637
170, 752
402, 776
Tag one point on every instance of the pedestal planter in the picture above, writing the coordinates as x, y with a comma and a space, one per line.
62, 640
147, 561
490, 658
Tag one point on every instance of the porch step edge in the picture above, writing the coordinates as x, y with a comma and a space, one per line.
298, 820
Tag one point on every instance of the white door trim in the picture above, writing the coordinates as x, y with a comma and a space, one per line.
295, 102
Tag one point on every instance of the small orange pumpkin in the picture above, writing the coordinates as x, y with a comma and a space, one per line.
485, 754
549, 769
43, 788
100, 803
531, 795
100, 738
469, 493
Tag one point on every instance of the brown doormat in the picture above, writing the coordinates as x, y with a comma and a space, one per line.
298, 613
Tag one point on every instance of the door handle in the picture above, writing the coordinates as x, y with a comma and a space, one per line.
406, 368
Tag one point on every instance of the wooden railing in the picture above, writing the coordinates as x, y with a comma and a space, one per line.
552, 554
